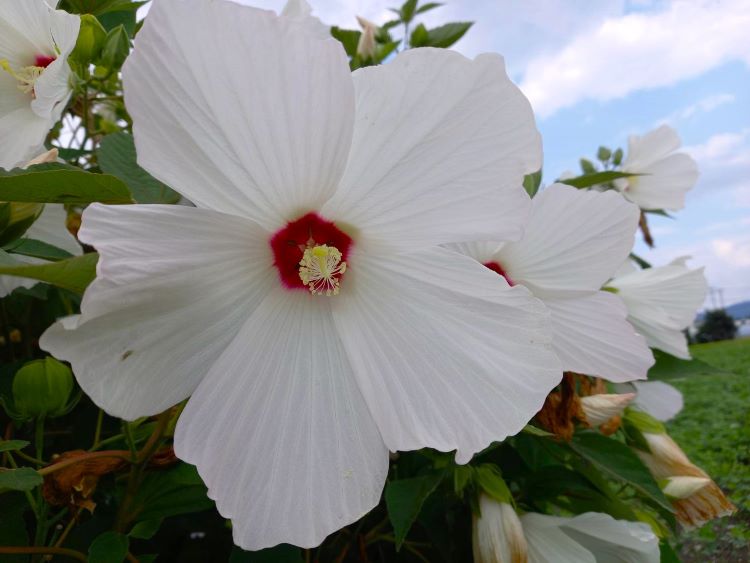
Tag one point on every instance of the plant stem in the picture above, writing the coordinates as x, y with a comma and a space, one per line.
122, 454
98, 431
72, 553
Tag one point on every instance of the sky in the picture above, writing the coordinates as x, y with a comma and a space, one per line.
598, 71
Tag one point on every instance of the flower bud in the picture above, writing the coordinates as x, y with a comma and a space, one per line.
366, 46
42, 388
90, 41
668, 463
497, 534
601, 408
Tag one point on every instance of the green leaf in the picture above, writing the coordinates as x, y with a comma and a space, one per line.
12, 445
491, 481
531, 182
427, 7
588, 180
407, 10
74, 274
463, 475
587, 166
619, 462
280, 554
109, 547
419, 37
404, 499
116, 48
617, 157
146, 529
168, 493
116, 156
21, 479
640, 261
349, 39
61, 183
668, 367
446, 35
667, 553
37, 249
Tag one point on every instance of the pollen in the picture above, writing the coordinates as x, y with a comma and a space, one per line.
26, 76
321, 269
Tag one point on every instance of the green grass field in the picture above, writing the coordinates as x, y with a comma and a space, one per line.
714, 430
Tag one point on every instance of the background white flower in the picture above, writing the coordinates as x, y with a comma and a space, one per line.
35, 41
574, 242
296, 399
666, 175
662, 302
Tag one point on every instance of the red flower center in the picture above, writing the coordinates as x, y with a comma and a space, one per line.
498, 269
310, 249
44, 61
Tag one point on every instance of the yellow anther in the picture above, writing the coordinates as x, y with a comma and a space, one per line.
26, 76
321, 269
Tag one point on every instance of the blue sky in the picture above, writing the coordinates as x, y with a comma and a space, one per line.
597, 71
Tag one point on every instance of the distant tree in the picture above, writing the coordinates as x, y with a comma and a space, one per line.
717, 325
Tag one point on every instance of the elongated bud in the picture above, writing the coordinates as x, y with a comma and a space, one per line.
679, 488
49, 156
366, 46
667, 462
497, 534
601, 408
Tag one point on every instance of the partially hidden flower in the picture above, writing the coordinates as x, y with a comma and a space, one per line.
574, 242
660, 400
501, 536
697, 499
497, 533
49, 227
305, 305
35, 79
665, 176
662, 302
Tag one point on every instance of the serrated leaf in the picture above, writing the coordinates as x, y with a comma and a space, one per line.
21, 479
61, 183
12, 445
74, 274
618, 461
595, 178
37, 249
404, 499
116, 156
109, 547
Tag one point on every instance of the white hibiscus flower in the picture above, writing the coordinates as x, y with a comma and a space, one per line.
500, 536
49, 227
308, 177
661, 400
35, 41
662, 302
666, 175
574, 242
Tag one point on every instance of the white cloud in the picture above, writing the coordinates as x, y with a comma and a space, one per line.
724, 163
734, 252
706, 105
638, 51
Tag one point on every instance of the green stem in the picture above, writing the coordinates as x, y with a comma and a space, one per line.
98, 430
6, 332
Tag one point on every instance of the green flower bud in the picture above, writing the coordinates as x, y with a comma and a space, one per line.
42, 388
90, 41
16, 218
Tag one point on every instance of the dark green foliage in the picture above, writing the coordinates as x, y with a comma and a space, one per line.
716, 325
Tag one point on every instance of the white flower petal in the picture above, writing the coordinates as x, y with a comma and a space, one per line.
661, 302
240, 110
664, 183
574, 240
591, 336
301, 10
613, 540
50, 227
280, 432
441, 145
21, 133
446, 354
659, 399
548, 543
653, 146
174, 286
